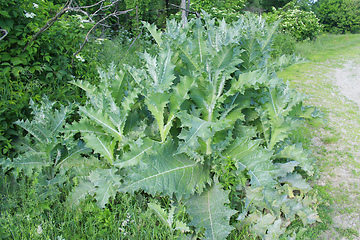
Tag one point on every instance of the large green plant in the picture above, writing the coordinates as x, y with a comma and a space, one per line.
206, 123
46, 154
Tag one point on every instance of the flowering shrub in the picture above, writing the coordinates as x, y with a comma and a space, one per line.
300, 24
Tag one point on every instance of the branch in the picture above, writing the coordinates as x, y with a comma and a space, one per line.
187, 10
49, 23
133, 42
87, 35
5, 33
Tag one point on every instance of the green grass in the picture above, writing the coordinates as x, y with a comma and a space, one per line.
336, 138
26, 215
328, 46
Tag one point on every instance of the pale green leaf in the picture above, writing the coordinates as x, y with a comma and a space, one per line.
209, 210
249, 155
105, 182
80, 192
163, 172
295, 180
297, 154
103, 120
161, 214
135, 154
156, 34
101, 144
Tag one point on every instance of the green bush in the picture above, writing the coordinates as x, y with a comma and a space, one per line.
298, 23
339, 16
283, 44
44, 66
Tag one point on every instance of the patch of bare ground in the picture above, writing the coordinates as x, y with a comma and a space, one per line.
334, 87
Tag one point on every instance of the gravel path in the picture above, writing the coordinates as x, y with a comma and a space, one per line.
347, 78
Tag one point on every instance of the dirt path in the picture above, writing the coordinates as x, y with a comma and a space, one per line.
335, 88
347, 78
344, 176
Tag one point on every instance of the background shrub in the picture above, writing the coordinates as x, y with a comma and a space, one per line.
339, 16
44, 66
300, 24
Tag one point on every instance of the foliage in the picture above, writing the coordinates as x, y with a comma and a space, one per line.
300, 24
283, 44
208, 106
46, 155
229, 10
44, 67
24, 215
339, 16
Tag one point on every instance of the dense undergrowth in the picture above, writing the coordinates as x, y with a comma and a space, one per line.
193, 140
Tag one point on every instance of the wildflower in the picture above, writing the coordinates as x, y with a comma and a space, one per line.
80, 58
30, 15
39, 230
35, 5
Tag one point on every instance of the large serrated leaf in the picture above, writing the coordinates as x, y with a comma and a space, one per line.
135, 154
101, 144
27, 163
103, 120
295, 153
248, 155
208, 210
73, 154
105, 182
156, 103
163, 172
198, 129
80, 192
156, 34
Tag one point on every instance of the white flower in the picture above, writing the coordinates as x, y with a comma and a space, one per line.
30, 15
35, 5
80, 58
39, 230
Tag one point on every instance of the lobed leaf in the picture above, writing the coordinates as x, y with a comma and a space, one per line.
209, 210
163, 172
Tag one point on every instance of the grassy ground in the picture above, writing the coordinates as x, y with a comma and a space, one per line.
335, 144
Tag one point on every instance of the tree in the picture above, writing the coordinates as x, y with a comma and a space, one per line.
339, 16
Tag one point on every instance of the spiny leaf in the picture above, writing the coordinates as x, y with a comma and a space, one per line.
297, 154
80, 192
295, 180
135, 154
84, 126
208, 210
105, 181
73, 154
26, 163
248, 155
156, 34
103, 120
198, 129
163, 172
101, 144
156, 103
41, 134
